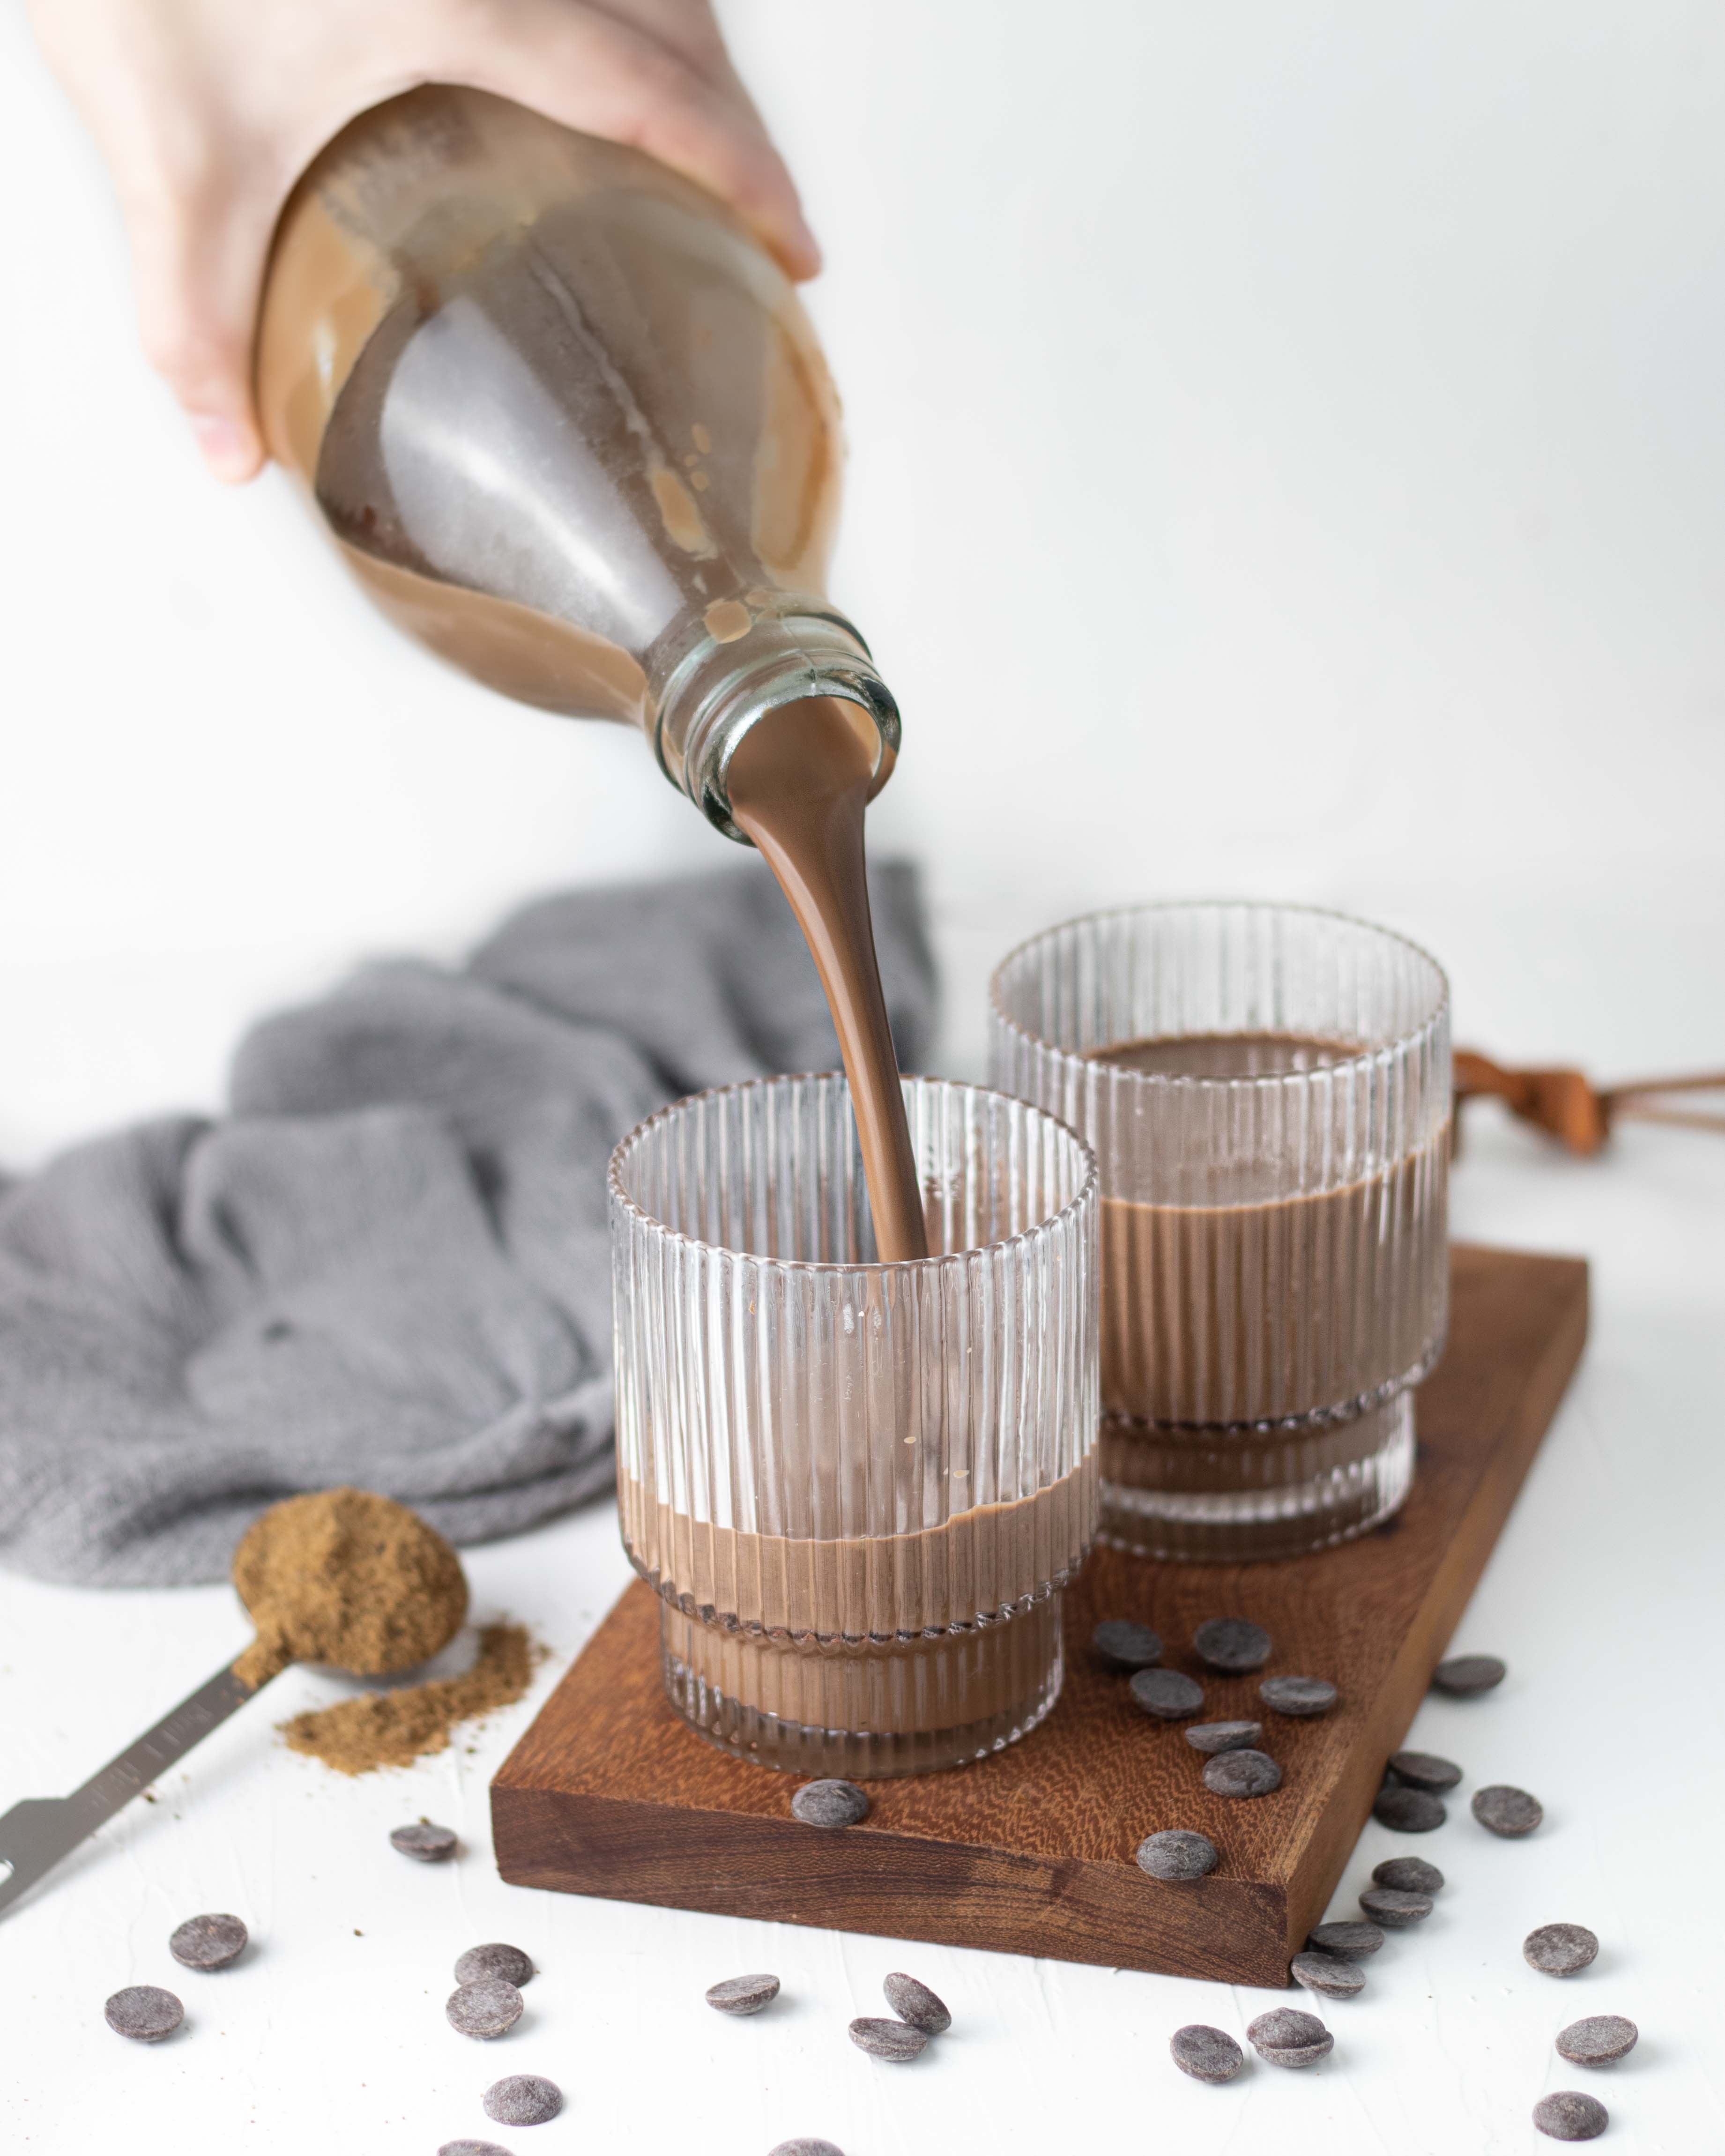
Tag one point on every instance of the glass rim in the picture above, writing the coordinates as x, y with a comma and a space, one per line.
1090, 1189
1399, 1046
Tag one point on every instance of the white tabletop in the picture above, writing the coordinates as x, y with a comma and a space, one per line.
330, 2034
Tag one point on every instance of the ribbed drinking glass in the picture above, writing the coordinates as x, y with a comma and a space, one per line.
857, 1488
1268, 1092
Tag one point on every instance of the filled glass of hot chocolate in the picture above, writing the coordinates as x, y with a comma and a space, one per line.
1268, 1092
857, 1487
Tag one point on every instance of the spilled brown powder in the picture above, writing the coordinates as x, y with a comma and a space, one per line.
348, 1577
394, 1728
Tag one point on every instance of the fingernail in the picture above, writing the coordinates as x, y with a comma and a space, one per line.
229, 449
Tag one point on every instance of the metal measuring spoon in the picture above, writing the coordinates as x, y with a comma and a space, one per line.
38, 1831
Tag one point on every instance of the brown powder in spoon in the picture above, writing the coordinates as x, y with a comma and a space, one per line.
346, 1576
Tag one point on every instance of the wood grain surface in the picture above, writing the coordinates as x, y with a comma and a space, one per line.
1031, 1851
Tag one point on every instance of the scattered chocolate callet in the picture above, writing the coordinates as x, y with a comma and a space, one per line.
144, 2012
522, 2099
1559, 1949
1286, 2037
1349, 1938
1167, 1694
829, 1804
208, 1942
1598, 2040
804, 2147
1296, 2055
348, 1577
1285, 2029
1408, 1875
1231, 1645
1465, 1675
428, 1844
1298, 1697
394, 1728
1394, 1908
1409, 1811
743, 1994
1570, 2116
1424, 1770
1507, 1811
1207, 2054
882, 2038
915, 2003
1241, 1775
1121, 1645
1224, 1736
509, 1963
487, 2009
1177, 1853
1327, 1974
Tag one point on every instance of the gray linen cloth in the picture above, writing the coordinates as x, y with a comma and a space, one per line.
388, 1266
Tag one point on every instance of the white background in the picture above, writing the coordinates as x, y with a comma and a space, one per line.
1288, 448
1288, 452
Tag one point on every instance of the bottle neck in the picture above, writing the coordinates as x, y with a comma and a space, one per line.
742, 661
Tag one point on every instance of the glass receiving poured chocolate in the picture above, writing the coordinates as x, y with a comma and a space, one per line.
857, 1487
1267, 1090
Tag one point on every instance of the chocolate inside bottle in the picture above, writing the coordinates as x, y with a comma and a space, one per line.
550, 399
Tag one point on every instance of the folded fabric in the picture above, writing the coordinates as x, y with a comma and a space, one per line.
388, 1266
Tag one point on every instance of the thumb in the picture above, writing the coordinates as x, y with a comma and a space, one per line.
198, 256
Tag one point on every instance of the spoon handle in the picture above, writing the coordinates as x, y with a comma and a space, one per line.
38, 1831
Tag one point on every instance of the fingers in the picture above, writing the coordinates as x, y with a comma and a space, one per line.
199, 261
187, 181
680, 102
207, 111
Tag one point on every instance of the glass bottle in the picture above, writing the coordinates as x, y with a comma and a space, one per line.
569, 425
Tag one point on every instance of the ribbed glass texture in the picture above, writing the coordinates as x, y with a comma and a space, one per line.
1271, 1121
857, 1488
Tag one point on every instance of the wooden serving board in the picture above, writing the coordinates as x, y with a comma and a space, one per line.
1031, 1851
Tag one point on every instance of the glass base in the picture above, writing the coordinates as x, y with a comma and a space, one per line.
1230, 1496
869, 1712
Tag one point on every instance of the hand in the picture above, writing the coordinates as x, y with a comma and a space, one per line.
208, 110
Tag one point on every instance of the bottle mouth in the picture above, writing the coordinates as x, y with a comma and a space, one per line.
749, 660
